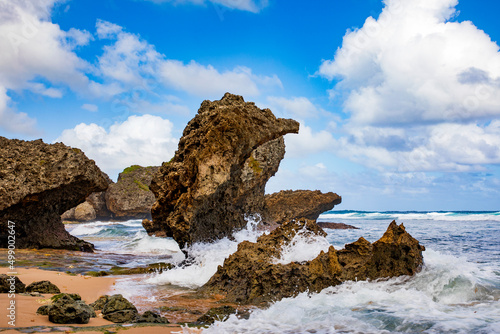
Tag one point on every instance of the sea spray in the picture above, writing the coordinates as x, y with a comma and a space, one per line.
429, 302
205, 258
303, 247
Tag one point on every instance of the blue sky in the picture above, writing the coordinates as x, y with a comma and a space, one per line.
398, 100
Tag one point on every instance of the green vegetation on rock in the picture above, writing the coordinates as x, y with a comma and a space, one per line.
131, 169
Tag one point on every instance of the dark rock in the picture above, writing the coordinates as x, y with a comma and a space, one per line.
152, 318
100, 302
75, 296
66, 310
336, 226
38, 183
130, 197
43, 310
11, 284
288, 204
227, 153
250, 276
216, 314
118, 310
43, 287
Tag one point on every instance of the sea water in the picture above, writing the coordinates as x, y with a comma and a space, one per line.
457, 291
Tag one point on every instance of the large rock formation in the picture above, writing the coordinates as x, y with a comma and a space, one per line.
287, 204
227, 153
38, 182
130, 197
252, 276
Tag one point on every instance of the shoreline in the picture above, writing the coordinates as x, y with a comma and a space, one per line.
89, 288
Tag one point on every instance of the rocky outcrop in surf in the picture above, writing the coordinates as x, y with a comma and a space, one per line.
39, 182
288, 204
252, 275
227, 153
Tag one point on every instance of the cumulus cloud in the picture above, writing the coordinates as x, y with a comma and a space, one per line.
420, 89
130, 62
299, 107
414, 65
253, 6
145, 140
34, 48
307, 141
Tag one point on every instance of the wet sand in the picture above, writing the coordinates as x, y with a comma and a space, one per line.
89, 288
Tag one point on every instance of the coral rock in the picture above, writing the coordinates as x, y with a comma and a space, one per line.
227, 153
38, 183
250, 276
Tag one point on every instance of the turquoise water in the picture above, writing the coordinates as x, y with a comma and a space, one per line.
458, 290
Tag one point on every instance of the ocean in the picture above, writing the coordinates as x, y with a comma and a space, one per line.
457, 291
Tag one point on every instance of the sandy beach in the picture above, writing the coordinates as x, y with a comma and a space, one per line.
89, 288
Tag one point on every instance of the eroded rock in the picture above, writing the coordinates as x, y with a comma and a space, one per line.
66, 310
227, 153
11, 284
288, 204
43, 287
38, 183
252, 276
130, 197
118, 309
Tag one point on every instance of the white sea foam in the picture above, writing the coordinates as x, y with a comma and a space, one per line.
87, 229
445, 297
206, 258
303, 247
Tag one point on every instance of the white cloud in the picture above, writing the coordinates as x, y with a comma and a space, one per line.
419, 89
90, 107
308, 142
131, 63
299, 107
253, 6
34, 48
143, 140
412, 65
201, 80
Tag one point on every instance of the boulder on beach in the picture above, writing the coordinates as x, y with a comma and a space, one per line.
118, 309
11, 283
227, 153
152, 318
286, 205
252, 275
43, 287
38, 183
66, 310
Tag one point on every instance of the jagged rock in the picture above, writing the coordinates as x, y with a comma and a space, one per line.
43, 310
38, 183
11, 283
100, 302
66, 310
152, 318
216, 314
130, 197
118, 310
43, 287
251, 276
75, 296
227, 153
337, 226
288, 204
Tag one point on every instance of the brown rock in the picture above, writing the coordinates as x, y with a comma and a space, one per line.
85, 212
130, 197
336, 226
249, 276
39, 182
288, 204
227, 153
